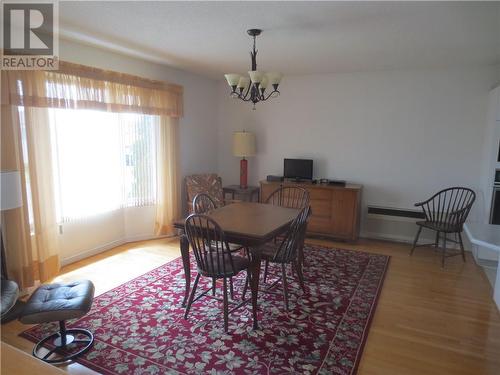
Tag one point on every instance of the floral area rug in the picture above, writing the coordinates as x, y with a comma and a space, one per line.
139, 326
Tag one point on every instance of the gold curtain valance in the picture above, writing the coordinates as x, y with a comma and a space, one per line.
81, 87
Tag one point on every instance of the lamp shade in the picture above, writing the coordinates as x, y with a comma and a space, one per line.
243, 144
10, 188
232, 79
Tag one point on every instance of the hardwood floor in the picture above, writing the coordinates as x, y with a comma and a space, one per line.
428, 321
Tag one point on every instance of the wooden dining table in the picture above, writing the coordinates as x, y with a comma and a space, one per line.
250, 225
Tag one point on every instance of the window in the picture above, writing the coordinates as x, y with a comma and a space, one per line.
102, 161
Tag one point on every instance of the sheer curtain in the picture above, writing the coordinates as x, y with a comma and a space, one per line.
31, 232
168, 205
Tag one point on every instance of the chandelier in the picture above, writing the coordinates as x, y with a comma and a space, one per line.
253, 88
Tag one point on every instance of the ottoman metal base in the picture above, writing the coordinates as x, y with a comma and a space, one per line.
65, 343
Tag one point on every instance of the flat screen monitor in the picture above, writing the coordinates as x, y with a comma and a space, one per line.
298, 169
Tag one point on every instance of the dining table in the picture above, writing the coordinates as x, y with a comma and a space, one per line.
249, 225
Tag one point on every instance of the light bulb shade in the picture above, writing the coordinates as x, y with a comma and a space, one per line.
264, 82
10, 186
256, 76
274, 78
243, 82
243, 144
232, 79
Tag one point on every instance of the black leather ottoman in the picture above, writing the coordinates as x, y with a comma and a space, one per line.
60, 302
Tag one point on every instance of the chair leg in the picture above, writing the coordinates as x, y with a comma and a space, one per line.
226, 307
444, 251
265, 270
436, 243
231, 290
301, 255
285, 284
461, 245
300, 275
247, 283
214, 284
293, 269
191, 296
416, 240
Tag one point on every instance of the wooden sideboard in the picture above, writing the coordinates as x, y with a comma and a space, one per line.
335, 209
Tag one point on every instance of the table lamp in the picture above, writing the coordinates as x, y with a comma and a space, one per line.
243, 146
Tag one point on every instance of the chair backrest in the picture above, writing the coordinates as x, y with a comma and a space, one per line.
449, 206
289, 196
203, 203
294, 238
208, 183
209, 245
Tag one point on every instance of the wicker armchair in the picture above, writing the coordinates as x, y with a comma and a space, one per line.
208, 183
445, 212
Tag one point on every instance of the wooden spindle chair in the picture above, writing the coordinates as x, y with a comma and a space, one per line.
204, 204
213, 259
287, 252
291, 197
445, 212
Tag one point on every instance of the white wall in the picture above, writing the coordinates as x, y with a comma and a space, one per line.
402, 134
198, 141
490, 149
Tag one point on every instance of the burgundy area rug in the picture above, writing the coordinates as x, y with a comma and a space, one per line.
139, 326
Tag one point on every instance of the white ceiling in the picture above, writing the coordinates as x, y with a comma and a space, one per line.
210, 38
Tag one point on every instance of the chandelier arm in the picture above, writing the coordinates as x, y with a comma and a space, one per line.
271, 93
245, 99
246, 93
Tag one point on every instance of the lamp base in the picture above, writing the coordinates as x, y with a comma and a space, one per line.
243, 173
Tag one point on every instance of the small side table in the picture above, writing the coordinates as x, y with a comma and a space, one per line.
246, 194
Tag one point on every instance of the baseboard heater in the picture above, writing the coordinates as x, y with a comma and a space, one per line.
394, 214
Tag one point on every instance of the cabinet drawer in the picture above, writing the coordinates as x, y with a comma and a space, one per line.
320, 194
320, 208
319, 225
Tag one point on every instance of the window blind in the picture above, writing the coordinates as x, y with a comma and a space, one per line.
103, 161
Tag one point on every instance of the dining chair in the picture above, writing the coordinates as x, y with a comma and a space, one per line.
286, 252
291, 197
213, 260
203, 204
445, 212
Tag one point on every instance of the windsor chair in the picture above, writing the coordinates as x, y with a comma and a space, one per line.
291, 197
213, 259
286, 252
445, 213
204, 204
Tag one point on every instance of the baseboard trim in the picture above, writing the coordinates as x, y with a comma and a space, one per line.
386, 237
404, 239
100, 249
